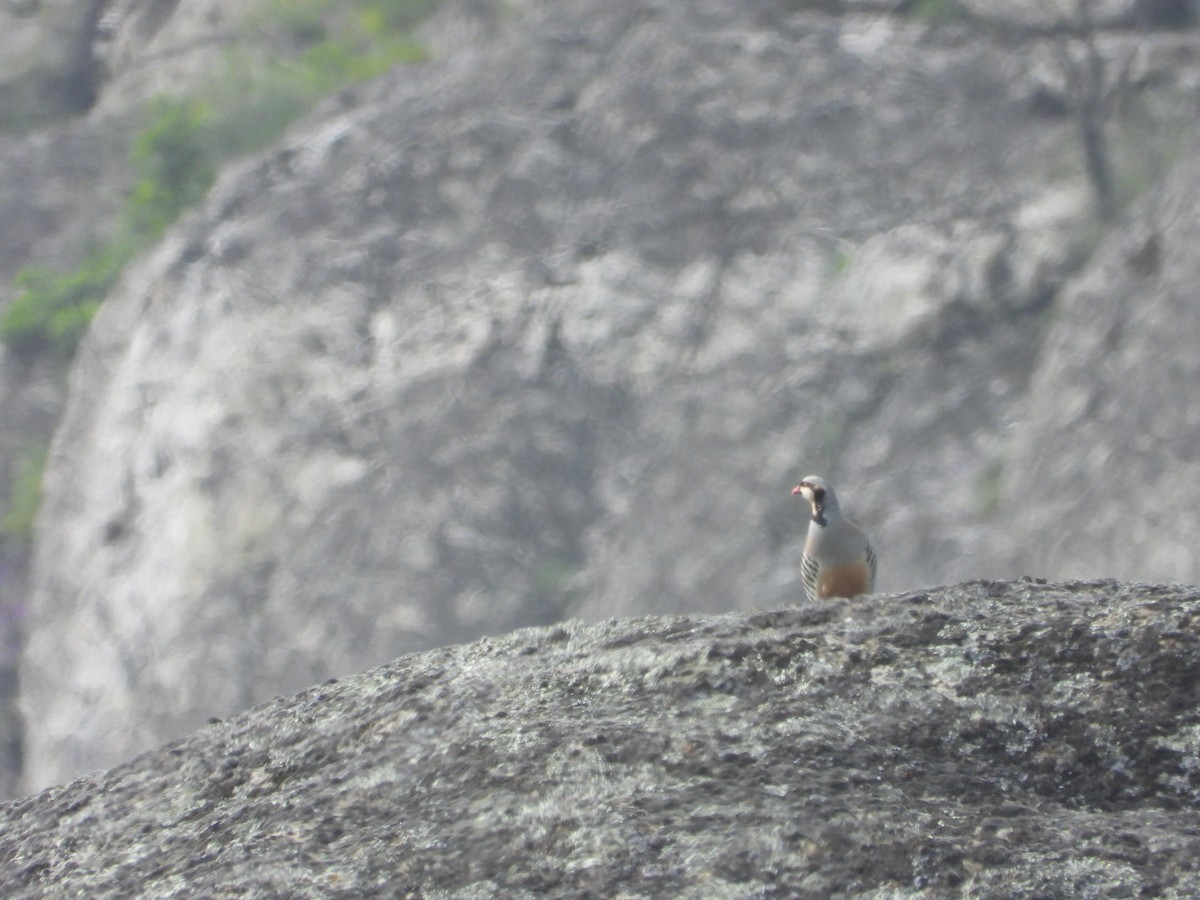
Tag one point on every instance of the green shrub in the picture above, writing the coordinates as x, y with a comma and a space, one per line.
1149, 138
381, 17
175, 164
554, 583
935, 11
254, 101
989, 487
302, 21
307, 22
51, 311
328, 45
333, 63
24, 493
176, 154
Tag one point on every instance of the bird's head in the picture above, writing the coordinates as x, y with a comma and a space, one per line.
818, 493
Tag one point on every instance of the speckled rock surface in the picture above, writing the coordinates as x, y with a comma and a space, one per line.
548, 326
985, 740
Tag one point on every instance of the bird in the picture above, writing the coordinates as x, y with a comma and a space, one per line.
838, 558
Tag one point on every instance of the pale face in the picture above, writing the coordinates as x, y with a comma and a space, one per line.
812, 490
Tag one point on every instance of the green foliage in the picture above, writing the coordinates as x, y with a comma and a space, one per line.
394, 16
935, 11
24, 493
306, 22
17, 114
255, 103
1149, 138
175, 164
988, 488
302, 21
51, 311
1083, 240
839, 263
554, 575
554, 582
328, 45
333, 63
829, 432
176, 155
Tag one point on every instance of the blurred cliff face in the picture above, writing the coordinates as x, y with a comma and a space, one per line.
549, 325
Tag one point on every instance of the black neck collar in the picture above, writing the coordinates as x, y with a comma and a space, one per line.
819, 515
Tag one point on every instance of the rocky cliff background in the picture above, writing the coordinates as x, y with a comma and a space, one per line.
541, 310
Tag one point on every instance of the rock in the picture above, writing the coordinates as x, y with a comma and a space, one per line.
989, 739
471, 353
1102, 462
145, 47
47, 68
549, 328
63, 180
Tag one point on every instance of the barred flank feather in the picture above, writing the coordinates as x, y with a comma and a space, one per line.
809, 570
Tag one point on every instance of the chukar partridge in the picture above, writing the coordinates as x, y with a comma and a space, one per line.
838, 559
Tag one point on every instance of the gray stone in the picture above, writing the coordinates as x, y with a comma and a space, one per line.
548, 328
1103, 461
985, 740
47, 67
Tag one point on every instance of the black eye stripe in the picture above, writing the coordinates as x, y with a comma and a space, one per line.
819, 493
